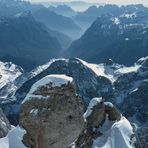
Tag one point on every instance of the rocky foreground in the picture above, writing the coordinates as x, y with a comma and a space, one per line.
51, 113
52, 117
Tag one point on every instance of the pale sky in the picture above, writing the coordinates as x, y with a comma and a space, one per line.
100, 1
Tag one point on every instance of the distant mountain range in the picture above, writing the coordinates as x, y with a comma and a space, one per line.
11, 8
122, 38
75, 5
57, 22
63, 10
86, 18
113, 32
26, 42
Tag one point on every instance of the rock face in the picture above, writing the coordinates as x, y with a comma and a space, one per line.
106, 127
51, 113
4, 125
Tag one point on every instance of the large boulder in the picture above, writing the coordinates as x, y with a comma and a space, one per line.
51, 113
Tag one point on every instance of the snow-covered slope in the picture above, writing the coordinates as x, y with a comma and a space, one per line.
116, 134
13, 139
8, 73
113, 71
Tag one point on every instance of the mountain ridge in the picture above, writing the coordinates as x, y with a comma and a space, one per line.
111, 37
23, 39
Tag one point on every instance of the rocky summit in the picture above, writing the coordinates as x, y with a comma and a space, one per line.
51, 113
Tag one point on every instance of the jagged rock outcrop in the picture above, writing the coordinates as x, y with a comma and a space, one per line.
51, 113
106, 127
5, 126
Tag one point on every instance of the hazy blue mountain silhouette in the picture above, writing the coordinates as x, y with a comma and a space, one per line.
63, 10
57, 22
27, 41
86, 18
14, 7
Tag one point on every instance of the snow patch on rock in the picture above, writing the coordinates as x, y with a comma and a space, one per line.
55, 80
109, 104
129, 15
116, 21
92, 103
125, 70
